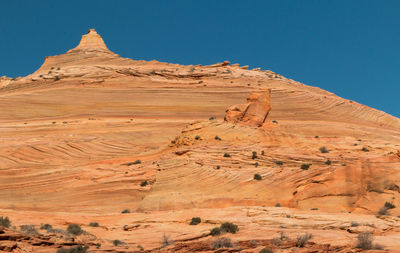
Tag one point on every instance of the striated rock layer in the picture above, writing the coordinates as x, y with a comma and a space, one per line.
90, 134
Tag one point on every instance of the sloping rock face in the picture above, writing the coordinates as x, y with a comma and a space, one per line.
254, 112
90, 134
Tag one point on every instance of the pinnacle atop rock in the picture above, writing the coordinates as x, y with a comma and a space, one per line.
91, 41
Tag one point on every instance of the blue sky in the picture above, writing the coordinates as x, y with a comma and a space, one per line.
349, 47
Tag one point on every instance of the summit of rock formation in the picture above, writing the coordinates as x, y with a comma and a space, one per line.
142, 147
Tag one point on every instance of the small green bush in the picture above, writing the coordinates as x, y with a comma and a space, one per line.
126, 211
254, 155
305, 166
117, 242
229, 227
144, 183
29, 230
365, 149
222, 243
195, 221
217, 138
328, 162
93, 224
215, 231
74, 229
257, 177
266, 250
77, 249
323, 150
278, 162
46, 226
5, 222
227, 155
389, 205
364, 240
303, 239
197, 137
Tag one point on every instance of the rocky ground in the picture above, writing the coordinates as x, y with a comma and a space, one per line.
91, 134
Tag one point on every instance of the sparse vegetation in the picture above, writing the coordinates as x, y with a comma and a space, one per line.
383, 211
305, 166
218, 167
227, 155
354, 224
222, 243
278, 162
29, 230
266, 250
262, 152
275, 122
215, 231
277, 205
212, 118
117, 242
76, 249
328, 162
46, 226
364, 240
229, 227
254, 155
389, 205
257, 177
126, 211
74, 229
365, 149
217, 138
303, 239
144, 183
195, 221
323, 150
165, 241
93, 224
5, 222
56, 78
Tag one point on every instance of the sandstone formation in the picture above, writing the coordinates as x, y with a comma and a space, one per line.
254, 112
91, 134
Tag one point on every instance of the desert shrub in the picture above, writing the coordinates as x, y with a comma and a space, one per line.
275, 122
323, 150
354, 224
197, 137
29, 230
328, 162
117, 242
222, 243
278, 162
256, 164
229, 227
126, 211
277, 205
218, 167
93, 224
365, 149
215, 231
383, 211
305, 166
266, 250
56, 78
165, 240
137, 162
195, 221
227, 155
257, 177
303, 239
5, 222
76, 249
212, 118
389, 205
46, 226
74, 229
254, 155
262, 152
217, 138
364, 240
144, 183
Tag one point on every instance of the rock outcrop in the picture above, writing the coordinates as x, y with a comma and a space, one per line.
254, 112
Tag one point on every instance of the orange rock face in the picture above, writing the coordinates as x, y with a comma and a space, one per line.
254, 112
141, 148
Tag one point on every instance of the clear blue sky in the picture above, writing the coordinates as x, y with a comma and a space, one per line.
347, 47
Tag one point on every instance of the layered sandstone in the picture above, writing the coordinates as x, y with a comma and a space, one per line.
90, 134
